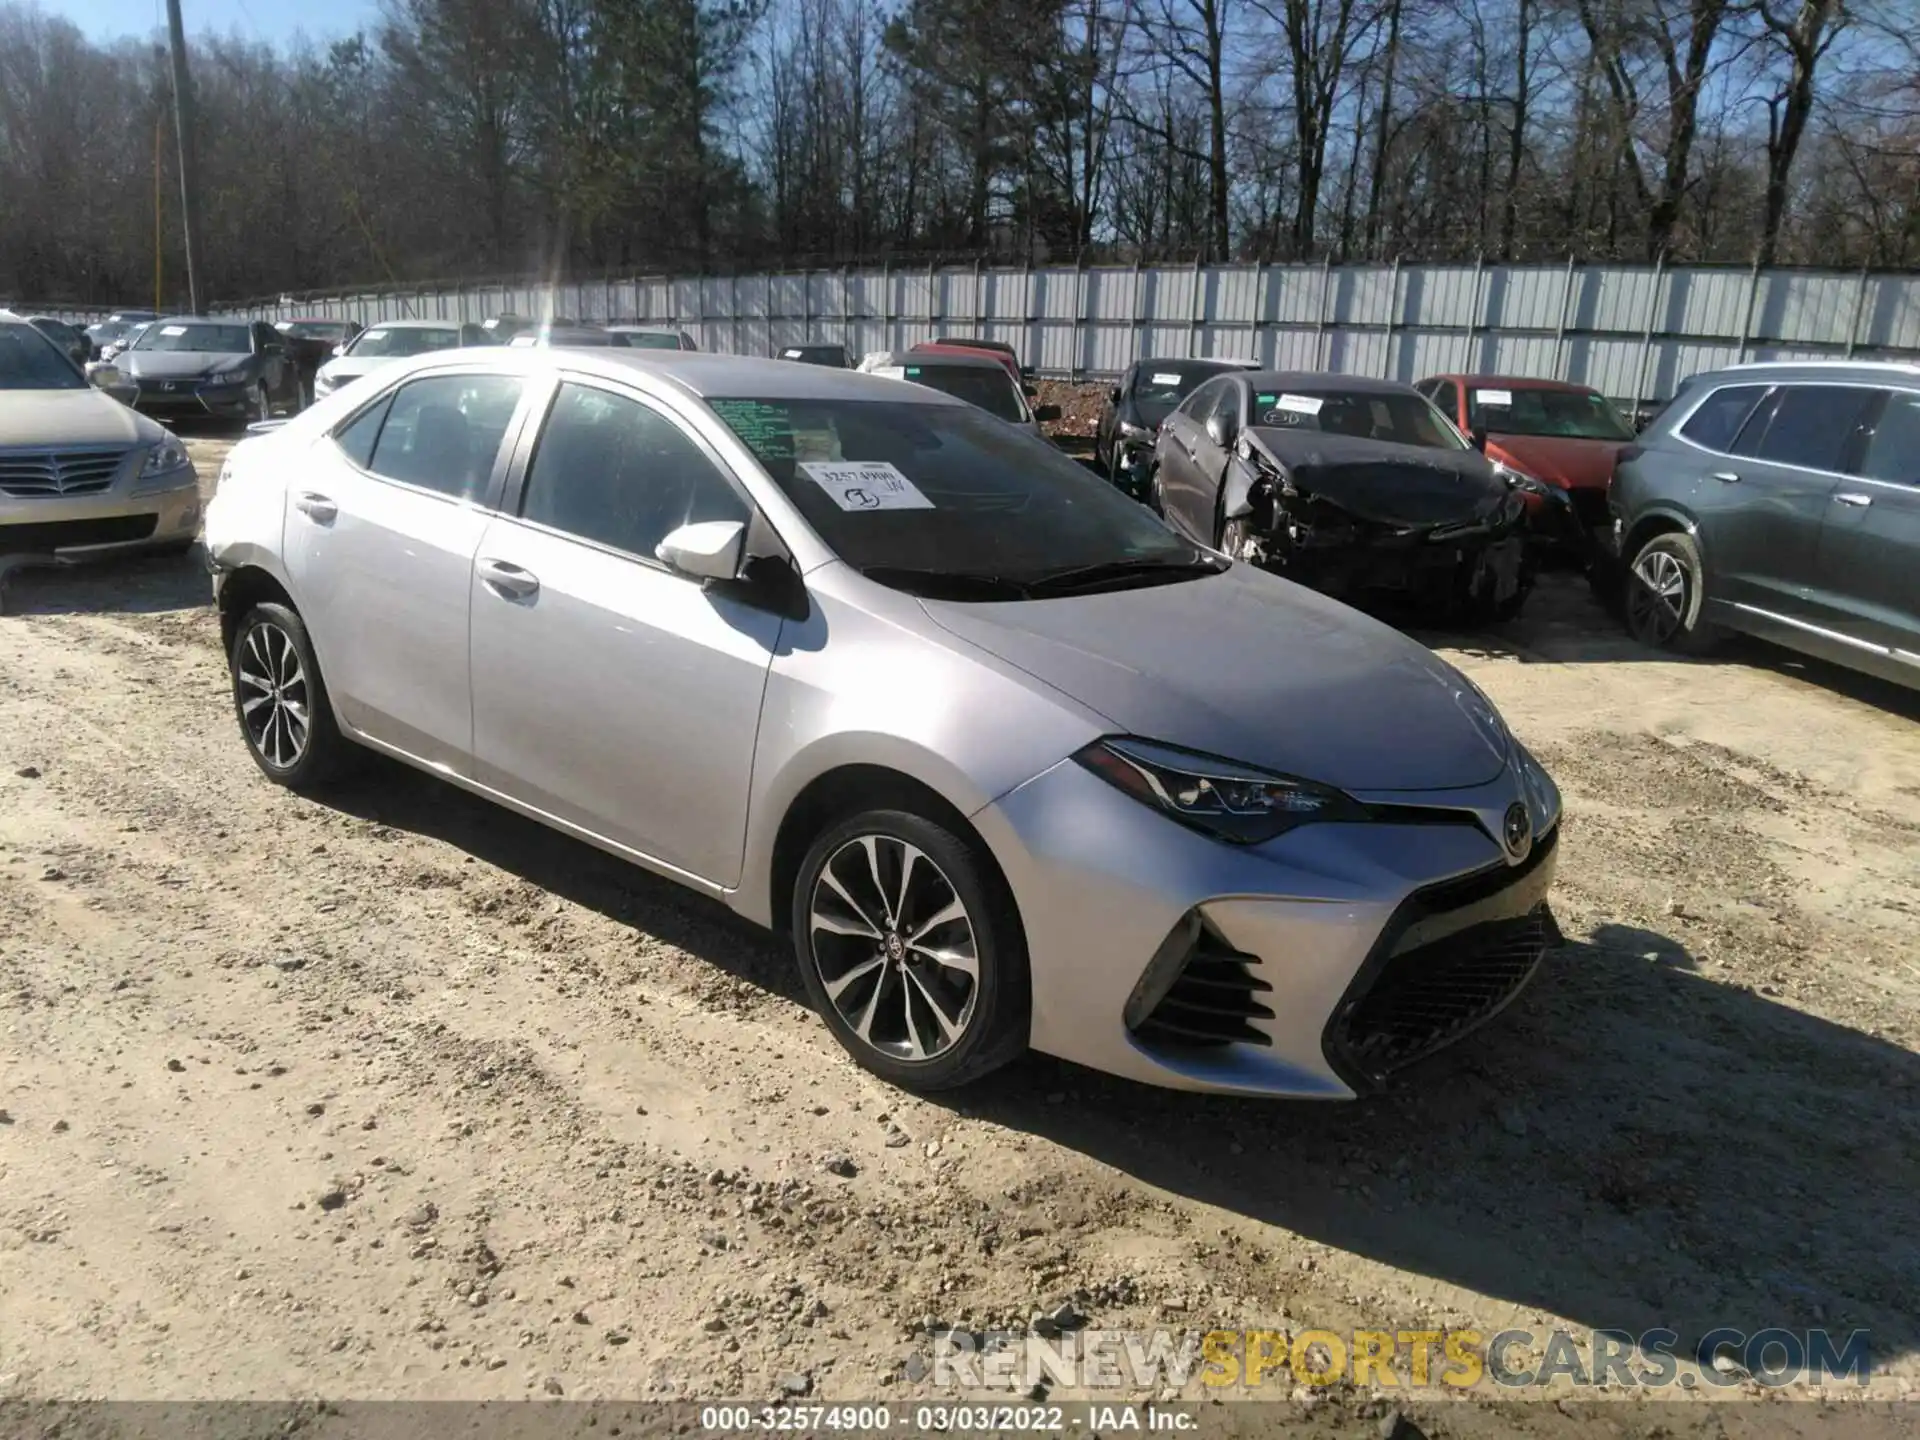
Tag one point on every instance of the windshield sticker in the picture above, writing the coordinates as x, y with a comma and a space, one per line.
382, 334
789, 354
1300, 404
171, 330
766, 430
1165, 380
865, 485
1494, 397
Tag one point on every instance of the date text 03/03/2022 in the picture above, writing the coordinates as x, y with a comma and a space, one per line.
1094, 1417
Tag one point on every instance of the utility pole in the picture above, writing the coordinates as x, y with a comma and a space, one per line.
183, 127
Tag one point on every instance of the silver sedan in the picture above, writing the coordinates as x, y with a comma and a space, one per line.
1012, 764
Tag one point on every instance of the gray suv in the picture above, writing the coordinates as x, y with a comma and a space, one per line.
1782, 500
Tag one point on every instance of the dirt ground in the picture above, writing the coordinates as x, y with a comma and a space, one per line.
397, 1095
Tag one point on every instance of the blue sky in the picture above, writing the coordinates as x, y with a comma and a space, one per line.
276, 21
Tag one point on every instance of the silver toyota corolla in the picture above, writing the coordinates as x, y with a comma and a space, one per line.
1012, 763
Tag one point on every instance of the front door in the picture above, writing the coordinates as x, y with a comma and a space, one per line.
608, 691
380, 536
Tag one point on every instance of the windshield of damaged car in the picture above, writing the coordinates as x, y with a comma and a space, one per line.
208, 339
410, 340
29, 361
992, 389
1565, 414
1160, 385
1399, 419
930, 497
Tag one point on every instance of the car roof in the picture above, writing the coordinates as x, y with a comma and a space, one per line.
414, 325
1781, 368
940, 357
1513, 382
196, 320
1325, 380
698, 374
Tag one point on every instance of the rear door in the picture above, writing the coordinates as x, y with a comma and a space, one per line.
1867, 580
380, 535
608, 691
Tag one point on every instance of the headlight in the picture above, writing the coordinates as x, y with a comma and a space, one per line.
163, 463
1543, 796
228, 377
1232, 802
1520, 479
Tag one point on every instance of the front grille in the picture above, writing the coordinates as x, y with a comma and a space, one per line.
1590, 508
41, 537
1429, 997
1213, 1001
29, 474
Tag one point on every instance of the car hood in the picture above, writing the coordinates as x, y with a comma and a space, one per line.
1383, 482
70, 417
1575, 464
1253, 668
176, 364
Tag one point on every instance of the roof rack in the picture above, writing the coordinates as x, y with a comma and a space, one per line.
1899, 367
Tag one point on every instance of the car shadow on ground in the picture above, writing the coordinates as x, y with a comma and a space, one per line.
139, 584
1632, 1144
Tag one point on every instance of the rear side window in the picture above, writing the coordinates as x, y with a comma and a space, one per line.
1720, 416
1447, 397
442, 433
1811, 426
1894, 451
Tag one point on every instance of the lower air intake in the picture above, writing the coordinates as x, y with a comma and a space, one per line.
1213, 1000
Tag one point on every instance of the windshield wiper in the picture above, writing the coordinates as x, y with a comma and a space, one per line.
1112, 572
946, 584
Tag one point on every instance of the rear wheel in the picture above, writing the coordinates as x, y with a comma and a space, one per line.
1665, 595
911, 950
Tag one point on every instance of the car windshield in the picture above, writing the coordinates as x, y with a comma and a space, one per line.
992, 389
29, 361
576, 338
1568, 414
1160, 385
648, 340
209, 339
410, 340
917, 494
107, 331
1399, 417
334, 330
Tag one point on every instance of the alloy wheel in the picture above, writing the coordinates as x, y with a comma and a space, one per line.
894, 947
262, 402
1235, 542
1656, 596
274, 704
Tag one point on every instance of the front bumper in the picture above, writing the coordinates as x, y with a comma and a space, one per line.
1132, 464
1313, 966
190, 399
105, 524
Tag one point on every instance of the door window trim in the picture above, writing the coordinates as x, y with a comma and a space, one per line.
1769, 387
490, 499
526, 449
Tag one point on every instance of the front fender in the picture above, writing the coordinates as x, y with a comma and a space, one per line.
1236, 489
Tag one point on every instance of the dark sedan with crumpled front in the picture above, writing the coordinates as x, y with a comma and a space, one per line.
185, 367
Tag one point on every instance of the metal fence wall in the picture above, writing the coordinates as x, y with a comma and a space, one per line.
1632, 332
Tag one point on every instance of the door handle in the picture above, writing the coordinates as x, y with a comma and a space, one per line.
508, 581
316, 507
1726, 477
1847, 497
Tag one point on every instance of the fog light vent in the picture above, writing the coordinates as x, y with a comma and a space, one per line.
1198, 991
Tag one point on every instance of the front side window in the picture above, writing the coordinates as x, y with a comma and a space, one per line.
944, 500
443, 432
1395, 416
30, 361
1202, 401
992, 389
1446, 396
207, 339
1718, 419
1810, 427
356, 437
1894, 451
619, 473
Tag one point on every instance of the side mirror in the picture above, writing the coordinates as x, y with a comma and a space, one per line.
705, 550
1220, 430
1045, 413
1478, 435
338, 351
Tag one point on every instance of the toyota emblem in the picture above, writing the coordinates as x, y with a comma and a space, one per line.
1517, 832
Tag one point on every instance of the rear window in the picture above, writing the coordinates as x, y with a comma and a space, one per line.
992, 390
1719, 417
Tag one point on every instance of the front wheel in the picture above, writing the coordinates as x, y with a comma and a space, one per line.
281, 701
1666, 595
911, 950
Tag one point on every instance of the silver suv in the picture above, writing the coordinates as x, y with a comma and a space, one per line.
1782, 500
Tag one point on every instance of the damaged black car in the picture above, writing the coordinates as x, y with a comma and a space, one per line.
1358, 488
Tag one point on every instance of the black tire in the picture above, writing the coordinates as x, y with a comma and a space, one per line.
1664, 596
1607, 579
987, 1014
262, 640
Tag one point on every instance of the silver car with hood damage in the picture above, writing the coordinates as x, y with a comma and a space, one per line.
1012, 764
79, 471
